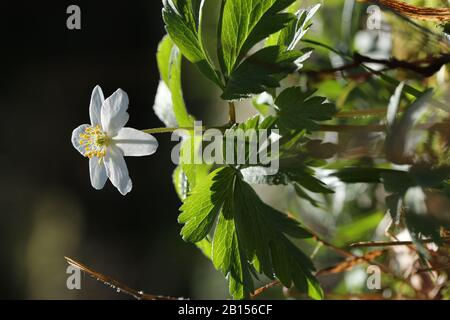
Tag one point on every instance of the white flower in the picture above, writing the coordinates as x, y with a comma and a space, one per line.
106, 141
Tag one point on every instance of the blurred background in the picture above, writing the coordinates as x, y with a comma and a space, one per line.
48, 208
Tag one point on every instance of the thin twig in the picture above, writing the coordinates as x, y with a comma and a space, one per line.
426, 67
351, 263
393, 243
437, 268
263, 289
341, 267
118, 286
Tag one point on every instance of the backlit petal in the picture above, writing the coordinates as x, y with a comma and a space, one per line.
98, 173
135, 143
114, 112
116, 170
76, 139
95, 107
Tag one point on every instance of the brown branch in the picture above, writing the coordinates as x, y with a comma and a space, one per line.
351, 263
376, 127
421, 13
436, 268
426, 67
112, 283
263, 289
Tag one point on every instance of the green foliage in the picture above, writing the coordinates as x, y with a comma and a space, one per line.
242, 25
261, 72
258, 54
250, 235
201, 208
291, 35
246, 22
183, 19
299, 110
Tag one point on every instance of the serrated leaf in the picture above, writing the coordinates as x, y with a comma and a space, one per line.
205, 247
291, 35
268, 239
180, 182
300, 110
246, 22
183, 19
260, 72
195, 169
248, 236
201, 208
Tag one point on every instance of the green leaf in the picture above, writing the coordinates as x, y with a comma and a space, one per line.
183, 19
169, 64
180, 182
260, 72
299, 110
195, 169
201, 208
246, 22
268, 244
205, 247
250, 236
228, 256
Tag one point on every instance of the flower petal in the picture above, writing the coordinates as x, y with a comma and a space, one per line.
76, 138
116, 170
135, 143
95, 107
114, 112
98, 173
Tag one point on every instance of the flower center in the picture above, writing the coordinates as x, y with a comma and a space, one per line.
94, 141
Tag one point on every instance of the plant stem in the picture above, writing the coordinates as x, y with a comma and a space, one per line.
232, 112
170, 130
362, 113
352, 128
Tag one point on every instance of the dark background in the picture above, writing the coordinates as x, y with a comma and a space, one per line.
48, 208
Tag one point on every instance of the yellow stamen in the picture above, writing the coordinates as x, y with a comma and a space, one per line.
95, 142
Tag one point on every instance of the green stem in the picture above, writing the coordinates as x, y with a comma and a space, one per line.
322, 128
363, 113
170, 130
352, 128
232, 112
